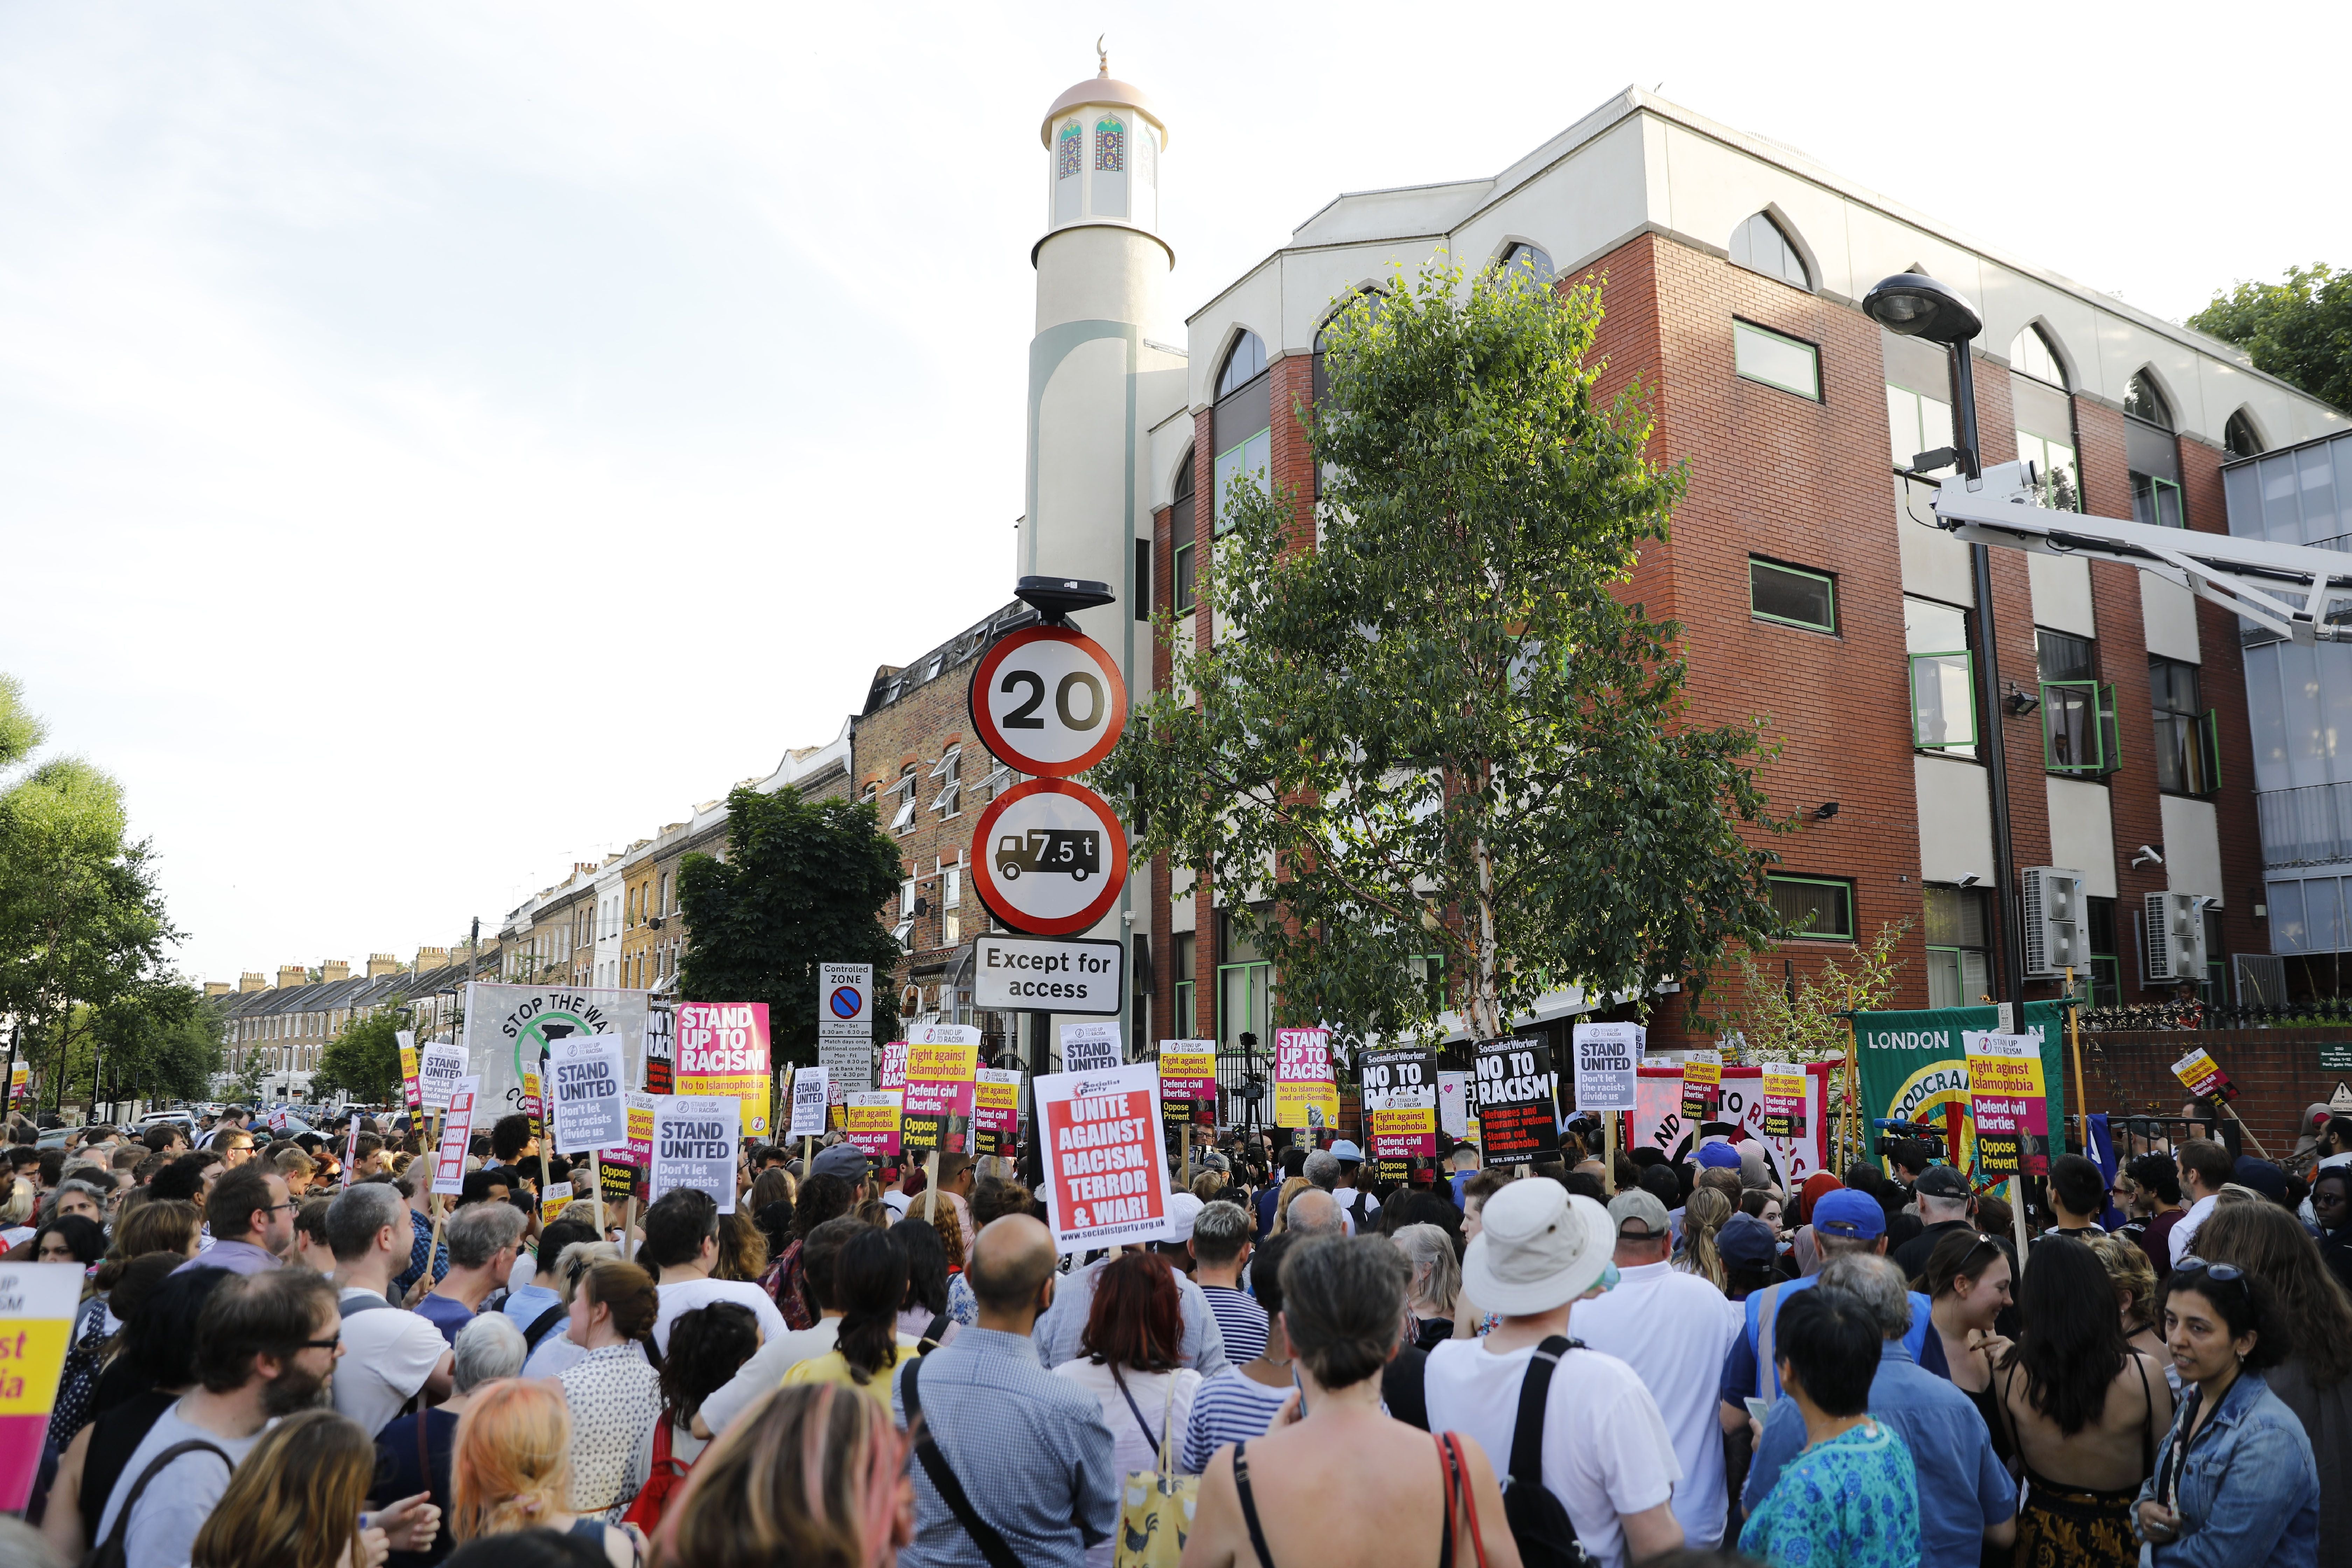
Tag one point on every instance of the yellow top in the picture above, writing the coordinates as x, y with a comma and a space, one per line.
831, 1368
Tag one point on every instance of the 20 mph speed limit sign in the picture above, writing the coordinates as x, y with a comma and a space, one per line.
1049, 700
1050, 857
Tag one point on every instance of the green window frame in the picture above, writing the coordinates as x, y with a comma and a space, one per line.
1181, 951
1786, 586
1776, 360
1429, 971
1917, 423
1244, 1001
1935, 677
1183, 576
1959, 947
2156, 501
1808, 898
2079, 734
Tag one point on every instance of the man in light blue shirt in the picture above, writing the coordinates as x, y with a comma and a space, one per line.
1967, 1499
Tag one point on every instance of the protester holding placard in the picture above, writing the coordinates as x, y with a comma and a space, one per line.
1305, 1090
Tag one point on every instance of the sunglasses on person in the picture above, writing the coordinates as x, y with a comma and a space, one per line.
329, 1342
2228, 1274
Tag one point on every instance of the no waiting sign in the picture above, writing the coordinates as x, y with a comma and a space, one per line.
844, 1001
1049, 700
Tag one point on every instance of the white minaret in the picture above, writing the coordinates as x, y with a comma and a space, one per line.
1093, 378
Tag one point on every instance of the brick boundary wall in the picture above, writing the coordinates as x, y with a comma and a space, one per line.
2277, 1072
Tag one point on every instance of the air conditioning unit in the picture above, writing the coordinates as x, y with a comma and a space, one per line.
2174, 927
2055, 937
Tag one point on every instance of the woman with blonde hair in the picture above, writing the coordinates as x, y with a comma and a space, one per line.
2134, 1277
1434, 1294
810, 1475
742, 1247
512, 1471
1702, 1214
557, 1352
296, 1500
1291, 1187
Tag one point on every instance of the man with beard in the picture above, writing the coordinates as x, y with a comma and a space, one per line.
265, 1346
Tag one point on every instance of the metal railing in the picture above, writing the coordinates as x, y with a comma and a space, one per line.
2329, 1012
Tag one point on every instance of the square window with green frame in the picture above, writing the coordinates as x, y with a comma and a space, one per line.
2157, 501
1812, 909
1791, 595
1792, 364
1943, 677
2079, 734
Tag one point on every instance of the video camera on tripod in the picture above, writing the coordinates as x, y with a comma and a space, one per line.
1891, 1131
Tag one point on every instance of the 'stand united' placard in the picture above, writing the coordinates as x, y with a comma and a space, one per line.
1608, 1058
694, 1146
810, 1097
1106, 1181
440, 1068
588, 1077
1305, 1090
2009, 1104
722, 1053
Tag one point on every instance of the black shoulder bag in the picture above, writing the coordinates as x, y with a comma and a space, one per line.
114, 1550
943, 1478
1539, 1519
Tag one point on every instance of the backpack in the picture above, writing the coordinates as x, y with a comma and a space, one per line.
667, 1475
1539, 1519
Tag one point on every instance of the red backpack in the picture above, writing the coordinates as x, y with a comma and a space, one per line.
668, 1474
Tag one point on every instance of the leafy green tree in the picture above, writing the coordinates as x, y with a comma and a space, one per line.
2299, 331
1444, 730
804, 882
81, 922
363, 1060
159, 1038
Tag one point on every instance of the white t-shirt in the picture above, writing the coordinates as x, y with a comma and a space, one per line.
1345, 1198
181, 1497
1132, 1451
687, 1294
2184, 1229
766, 1370
1674, 1330
1606, 1451
387, 1355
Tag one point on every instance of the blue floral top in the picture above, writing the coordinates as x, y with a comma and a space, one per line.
1851, 1502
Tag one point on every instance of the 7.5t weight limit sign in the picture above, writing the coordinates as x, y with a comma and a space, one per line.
1049, 700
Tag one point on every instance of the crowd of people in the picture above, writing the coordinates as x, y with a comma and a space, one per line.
284, 1363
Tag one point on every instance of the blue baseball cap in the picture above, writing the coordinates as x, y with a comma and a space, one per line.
1719, 1157
1347, 1153
1849, 1214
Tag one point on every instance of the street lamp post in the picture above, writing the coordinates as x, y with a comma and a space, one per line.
1913, 306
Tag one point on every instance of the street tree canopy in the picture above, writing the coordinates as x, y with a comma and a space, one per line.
1444, 730
804, 883
2299, 331
363, 1060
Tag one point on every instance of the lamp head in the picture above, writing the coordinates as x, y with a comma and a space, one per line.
1058, 598
1911, 305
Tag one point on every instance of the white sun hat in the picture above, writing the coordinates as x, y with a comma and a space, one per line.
1538, 1246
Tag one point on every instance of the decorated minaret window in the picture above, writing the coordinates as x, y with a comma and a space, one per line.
1110, 168
1069, 156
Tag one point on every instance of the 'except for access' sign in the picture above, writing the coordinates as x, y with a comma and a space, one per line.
1049, 974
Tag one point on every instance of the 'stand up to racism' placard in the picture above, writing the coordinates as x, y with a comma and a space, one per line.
694, 1146
2009, 1104
1105, 1178
1305, 1090
722, 1051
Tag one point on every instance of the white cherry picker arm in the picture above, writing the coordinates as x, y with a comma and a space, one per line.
2298, 591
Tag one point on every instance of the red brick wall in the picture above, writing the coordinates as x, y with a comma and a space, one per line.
2277, 1073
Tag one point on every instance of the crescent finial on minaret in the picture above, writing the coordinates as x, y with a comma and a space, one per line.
1102, 55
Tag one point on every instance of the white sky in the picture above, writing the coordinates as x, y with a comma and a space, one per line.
439, 442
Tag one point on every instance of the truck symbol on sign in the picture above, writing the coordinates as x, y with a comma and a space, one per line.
1076, 853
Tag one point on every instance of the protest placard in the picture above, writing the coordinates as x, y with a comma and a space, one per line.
694, 1144
1454, 1104
722, 1053
1702, 1085
872, 1119
1400, 1100
1305, 1090
1106, 1180
894, 1065
809, 1097
1518, 1119
2009, 1104
533, 1104
553, 1204
456, 1133
440, 1067
938, 1096
661, 1051
616, 1179
1090, 1048
38, 1302
1188, 1082
20, 1078
1608, 1058
2203, 1077
1783, 1088
996, 1110
589, 1077
411, 1094
641, 1129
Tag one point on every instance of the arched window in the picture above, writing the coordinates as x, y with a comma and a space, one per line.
2031, 354
1110, 168
1245, 363
1069, 160
1760, 246
1524, 266
2239, 437
2142, 401
1183, 532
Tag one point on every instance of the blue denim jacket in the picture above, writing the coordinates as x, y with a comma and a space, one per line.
2249, 1490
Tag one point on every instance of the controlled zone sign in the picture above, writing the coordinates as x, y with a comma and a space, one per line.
1106, 1175
1049, 700
1050, 857
844, 1001
1035, 974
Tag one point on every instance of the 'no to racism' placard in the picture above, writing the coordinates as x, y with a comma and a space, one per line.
1106, 1178
1518, 1122
1399, 1096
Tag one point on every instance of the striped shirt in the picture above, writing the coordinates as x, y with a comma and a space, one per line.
1229, 1408
1242, 1320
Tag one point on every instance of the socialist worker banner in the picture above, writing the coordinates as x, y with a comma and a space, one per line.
723, 1054
1105, 1176
1305, 1090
